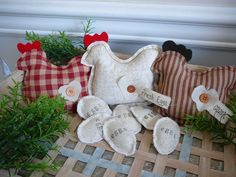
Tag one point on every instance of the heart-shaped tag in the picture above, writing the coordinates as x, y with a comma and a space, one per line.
89, 39
22, 48
71, 91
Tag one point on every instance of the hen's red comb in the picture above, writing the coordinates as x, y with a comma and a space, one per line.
28, 46
88, 39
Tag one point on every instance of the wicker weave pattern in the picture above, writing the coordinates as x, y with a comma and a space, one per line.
194, 156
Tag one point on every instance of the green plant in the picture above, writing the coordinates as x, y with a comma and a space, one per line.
58, 46
87, 29
88, 26
225, 133
29, 130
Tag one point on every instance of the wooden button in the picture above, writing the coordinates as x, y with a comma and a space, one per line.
204, 98
70, 91
131, 89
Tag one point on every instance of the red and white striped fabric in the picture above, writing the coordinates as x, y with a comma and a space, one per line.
44, 78
177, 79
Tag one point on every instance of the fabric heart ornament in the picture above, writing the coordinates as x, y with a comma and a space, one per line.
119, 137
91, 105
123, 113
71, 91
22, 48
89, 39
90, 130
166, 135
146, 116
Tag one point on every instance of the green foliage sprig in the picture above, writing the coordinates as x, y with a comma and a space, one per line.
29, 130
87, 29
88, 26
58, 46
225, 133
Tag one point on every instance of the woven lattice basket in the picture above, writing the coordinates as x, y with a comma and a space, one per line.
195, 155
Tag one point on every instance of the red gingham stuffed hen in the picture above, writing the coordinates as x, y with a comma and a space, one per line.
43, 78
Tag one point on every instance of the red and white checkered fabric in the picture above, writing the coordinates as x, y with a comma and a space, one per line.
44, 78
177, 79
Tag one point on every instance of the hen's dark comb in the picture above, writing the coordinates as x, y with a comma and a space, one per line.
172, 46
